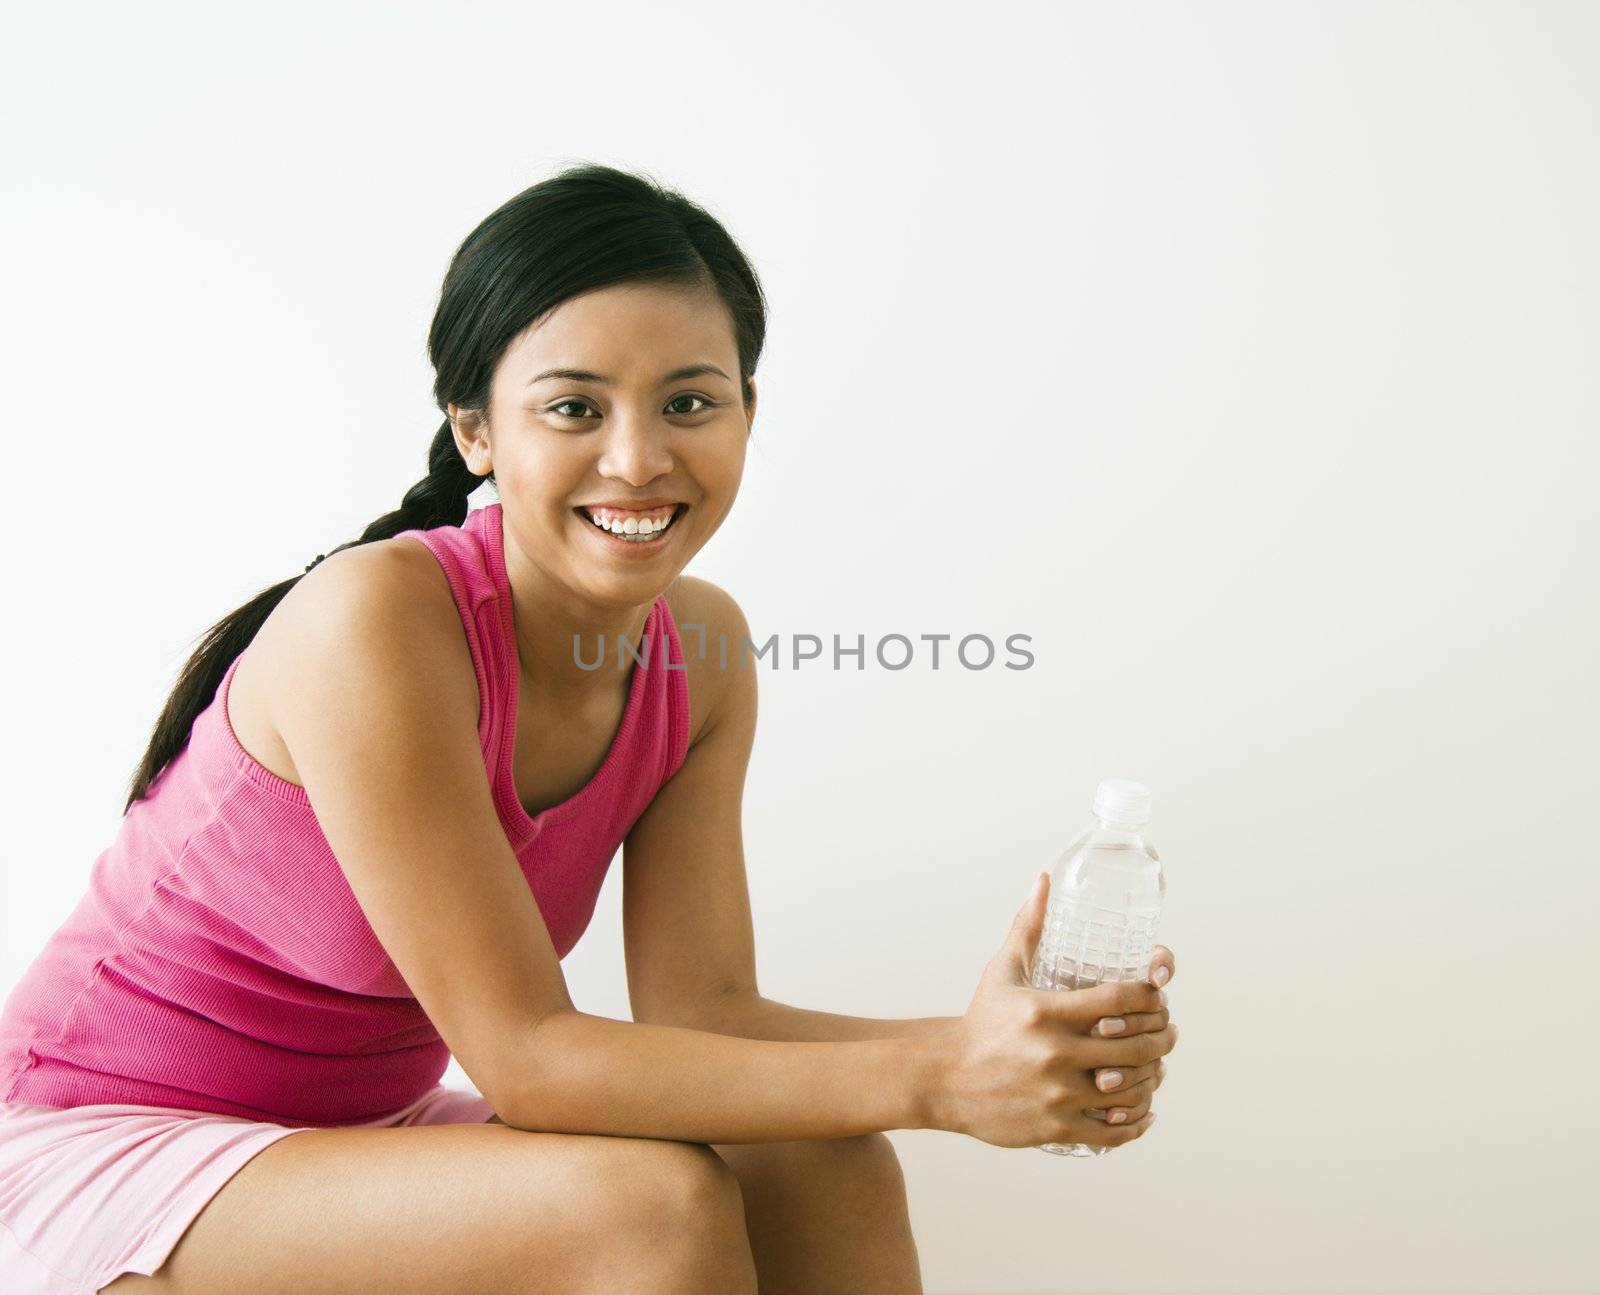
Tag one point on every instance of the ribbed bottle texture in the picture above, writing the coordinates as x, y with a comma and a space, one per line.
1105, 899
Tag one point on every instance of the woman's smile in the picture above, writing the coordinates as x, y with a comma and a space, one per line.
632, 534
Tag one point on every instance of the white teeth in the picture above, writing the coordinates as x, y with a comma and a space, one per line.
633, 528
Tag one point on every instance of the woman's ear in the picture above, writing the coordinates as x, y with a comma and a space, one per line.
750, 409
472, 439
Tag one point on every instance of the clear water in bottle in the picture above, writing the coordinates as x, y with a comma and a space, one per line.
1105, 898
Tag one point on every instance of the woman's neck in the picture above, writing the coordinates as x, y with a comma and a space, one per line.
547, 615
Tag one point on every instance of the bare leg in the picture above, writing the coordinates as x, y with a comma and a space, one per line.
448, 1209
827, 1216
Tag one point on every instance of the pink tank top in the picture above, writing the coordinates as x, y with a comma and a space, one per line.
219, 960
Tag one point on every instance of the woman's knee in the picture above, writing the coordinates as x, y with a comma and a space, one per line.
877, 1158
868, 1159
698, 1188
692, 1235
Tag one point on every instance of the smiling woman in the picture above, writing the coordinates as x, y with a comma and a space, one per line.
376, 813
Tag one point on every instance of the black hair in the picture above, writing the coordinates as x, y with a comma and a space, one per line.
587, 227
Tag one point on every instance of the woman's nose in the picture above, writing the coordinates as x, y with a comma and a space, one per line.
636, 450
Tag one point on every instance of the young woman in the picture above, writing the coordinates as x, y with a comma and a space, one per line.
376, 812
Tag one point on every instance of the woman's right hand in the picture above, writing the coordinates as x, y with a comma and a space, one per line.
1021, 1066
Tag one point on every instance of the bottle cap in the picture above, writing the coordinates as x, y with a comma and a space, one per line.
1122, 803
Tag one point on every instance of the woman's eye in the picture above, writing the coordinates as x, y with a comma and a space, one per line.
583, 404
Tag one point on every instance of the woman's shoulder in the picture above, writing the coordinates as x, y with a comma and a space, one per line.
701, 598
395, 585
708, 617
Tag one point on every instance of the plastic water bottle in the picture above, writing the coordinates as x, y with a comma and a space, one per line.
1105, 897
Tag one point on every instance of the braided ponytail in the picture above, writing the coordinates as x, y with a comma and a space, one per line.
439, 499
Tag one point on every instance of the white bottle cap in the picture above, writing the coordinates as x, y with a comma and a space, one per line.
1122, 803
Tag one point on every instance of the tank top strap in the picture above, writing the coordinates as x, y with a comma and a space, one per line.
468, 554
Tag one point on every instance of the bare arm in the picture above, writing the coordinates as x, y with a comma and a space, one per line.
593, 1074
752, 1016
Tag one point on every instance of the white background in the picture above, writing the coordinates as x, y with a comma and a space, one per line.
1241, 355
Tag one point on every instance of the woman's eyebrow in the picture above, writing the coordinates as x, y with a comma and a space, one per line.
583, 375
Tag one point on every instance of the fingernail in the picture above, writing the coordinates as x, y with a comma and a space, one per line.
1117, 1117
1108, 1079
1113, 1025
1160, 978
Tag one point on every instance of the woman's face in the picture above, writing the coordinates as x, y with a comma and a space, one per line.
628, 436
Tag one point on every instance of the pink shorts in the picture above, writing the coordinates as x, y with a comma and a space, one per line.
88, 1193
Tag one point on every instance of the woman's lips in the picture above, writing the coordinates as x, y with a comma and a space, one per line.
639, 548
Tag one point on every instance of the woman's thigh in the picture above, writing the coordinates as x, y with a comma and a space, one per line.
473, 1208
